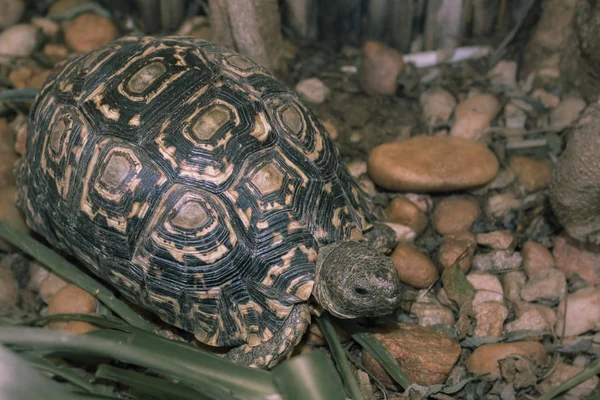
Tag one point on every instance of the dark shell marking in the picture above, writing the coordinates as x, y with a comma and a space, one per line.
191, 179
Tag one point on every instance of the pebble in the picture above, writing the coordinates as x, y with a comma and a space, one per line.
549, 284
453, 246
438, 105
497, 261
514, 116
490, 317
432, 164
455, 214
473, 116
404, 234
71, 299
357, 168
56, 52
426, 356
88, 32
10, 213
50, 286
26, 77
566, 112
531, 317
501, 204
379, 68
423, 201
367, 185
536, 259
12, 11
49, 28
499, 240
532, 174
484, 360
504, 178
549, 100
488, 287
414, 267
9, 291
331, 129
562, 372
312, 90
432, 313
504, 75
19, 40
583, 312
405, 212
577, 259
37, 274
513, 282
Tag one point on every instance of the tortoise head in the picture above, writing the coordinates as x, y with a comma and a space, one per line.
355, 280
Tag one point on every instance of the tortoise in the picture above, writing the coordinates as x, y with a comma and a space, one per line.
202, 189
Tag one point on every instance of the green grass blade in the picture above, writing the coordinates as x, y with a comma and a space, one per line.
65, 373
339, 355
71, 273
309, 376
18, 95
151, 352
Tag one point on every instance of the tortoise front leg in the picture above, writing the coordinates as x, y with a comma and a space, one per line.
268, 354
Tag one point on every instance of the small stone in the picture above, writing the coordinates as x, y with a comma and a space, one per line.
548, 99
490, 317
19, 40
531, 317
367, 185
536, 258
37, 274
484, 360
497, 261
499, 240
88, 32
455, 214
12, 11
379, 68
514, 117
331, 129
501, 204
9, 291
404, 234
357, 168
312, 90
513, 282
504, 178
426, 356
563, 372
488, 287
71, 299
582, 314
50, 286
405, 212
56, 52
432, 164
532, 174
414, 267
355, 137
49, 28
577, 259
438, 105
504, 75
473, 116
548, 285
25, 77
567, 112
423, 201
456, 245
432, 314
10, 214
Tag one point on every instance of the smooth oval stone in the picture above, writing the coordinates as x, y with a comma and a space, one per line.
432, 164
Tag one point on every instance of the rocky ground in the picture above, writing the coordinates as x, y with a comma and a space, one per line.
458, 159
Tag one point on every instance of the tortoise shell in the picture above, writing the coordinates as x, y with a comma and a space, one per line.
189, 178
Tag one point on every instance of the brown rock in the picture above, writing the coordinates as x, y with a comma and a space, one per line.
473, 115
485, 358
405, 212
490, 318
536, 258
438, 105
532, 174
71, 300
10, 214
532, 317
453, 246
577, 259
549, 284
88, 32
379, 68
25, 77
582, 312
426, 356
37, 274
563, 372
567, 112
513, 282
455, 214
331, 129
488, 286
414, 267
56, 52
432, 164
499, 240
50, 286
432, 313
77, 327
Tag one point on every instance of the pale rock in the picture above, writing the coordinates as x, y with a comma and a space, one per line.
548, 285
490, 317
438, 105
500, 204
19, 40
566, 112
497, 261
504, 75
513, 283
488, 288
473, 116
498, 240
536, 259
312, 90
561, 373
582, 313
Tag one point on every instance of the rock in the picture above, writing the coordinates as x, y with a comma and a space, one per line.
331, 129
426, 356
501, 204
423, 201
514, 116
367, 185
567, 112
536, 259
563, 372
37, 274
56, 52
10, 214
484, 360
549, 285
50, 286
312, 90
582, 314
497, 261
549, 100
455, 214
532, 174
379, 68
577, 259
513, 282
405, 212
25, 77
71, 299
404, 234
88, 32
357, 168
9, 292
19, 40
432, 314
490, 317
438, 105
531, 317
499, 240
473, 115
49, 28
504, 75
12, 11
453, 246
414, 267
432, 164
488, 287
